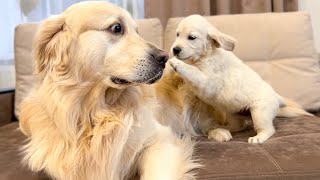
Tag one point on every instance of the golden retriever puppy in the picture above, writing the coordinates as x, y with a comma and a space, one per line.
218, 78
92, 115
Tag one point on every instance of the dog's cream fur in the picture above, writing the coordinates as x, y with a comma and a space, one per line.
91, 116
215, 76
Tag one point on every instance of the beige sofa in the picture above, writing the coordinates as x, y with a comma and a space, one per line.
279, 47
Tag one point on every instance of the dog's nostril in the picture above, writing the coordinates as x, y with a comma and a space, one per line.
176, 50
153, 56
163, 57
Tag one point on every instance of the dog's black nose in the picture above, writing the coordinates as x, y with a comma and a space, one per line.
162, 57
159, 56
176, 50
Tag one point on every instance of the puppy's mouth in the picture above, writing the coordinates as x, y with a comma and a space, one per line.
182, 59
153, 79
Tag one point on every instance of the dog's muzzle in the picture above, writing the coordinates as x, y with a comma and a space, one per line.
157, 59
159, 56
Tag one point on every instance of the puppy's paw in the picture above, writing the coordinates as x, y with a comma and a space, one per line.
262, 136
176, 64
256, 140
220, 135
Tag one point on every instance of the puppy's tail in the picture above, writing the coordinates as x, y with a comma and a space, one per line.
289, 108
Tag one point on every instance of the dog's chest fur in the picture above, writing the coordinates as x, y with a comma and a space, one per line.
115, 139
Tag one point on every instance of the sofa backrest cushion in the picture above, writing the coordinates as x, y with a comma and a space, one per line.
279, 46
149, 29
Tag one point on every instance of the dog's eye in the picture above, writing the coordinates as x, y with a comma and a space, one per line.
177, 34
190, 37
116, 28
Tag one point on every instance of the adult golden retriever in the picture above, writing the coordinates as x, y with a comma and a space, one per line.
92, 116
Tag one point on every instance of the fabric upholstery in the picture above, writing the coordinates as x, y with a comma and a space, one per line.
292, 153
150, 29
6, 107
279, 46
11, 168
23, 60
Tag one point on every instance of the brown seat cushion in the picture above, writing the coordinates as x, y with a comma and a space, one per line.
11, 140
292, 153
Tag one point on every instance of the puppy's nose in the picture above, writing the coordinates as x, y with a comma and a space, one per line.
176, 50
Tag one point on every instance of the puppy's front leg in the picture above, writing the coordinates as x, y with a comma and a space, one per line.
189, 73
168, 158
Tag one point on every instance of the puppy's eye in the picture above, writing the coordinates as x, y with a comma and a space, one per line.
177, 34
116, 29
190, 37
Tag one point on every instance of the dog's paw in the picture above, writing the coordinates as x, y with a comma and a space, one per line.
256, 140
176, 64
220, 135
262, 136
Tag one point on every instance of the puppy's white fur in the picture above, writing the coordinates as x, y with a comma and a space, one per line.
82, 120
220, 79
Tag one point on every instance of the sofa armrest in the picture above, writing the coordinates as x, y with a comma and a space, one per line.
6, 106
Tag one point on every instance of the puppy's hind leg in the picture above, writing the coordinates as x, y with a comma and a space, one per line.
169, 158
262, 118
196, 114
236, 122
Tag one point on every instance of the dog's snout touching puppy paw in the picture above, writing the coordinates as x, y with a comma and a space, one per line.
220, 135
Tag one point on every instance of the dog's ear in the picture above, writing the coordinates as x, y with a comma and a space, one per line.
221, 40
49, 42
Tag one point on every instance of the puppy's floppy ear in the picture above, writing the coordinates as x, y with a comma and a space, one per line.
49, 41
221, 40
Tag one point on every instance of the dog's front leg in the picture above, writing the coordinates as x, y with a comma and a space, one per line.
168, 158
190, 74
